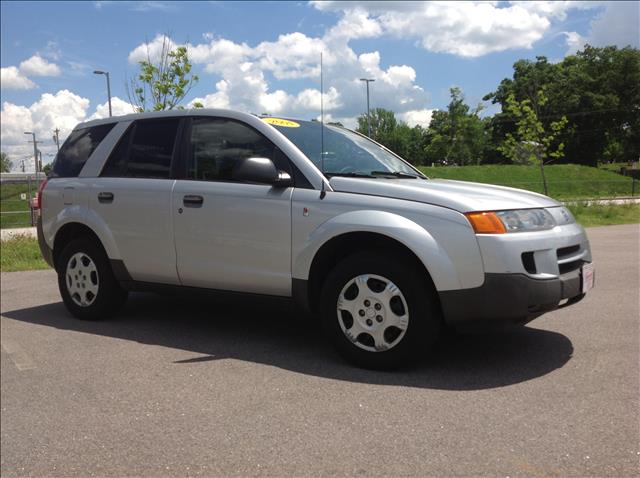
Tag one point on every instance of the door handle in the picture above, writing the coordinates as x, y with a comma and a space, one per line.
105, 197
191, 200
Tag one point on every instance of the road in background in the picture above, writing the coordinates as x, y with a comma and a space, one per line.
188, 387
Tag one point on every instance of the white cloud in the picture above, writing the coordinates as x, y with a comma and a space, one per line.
244, 83
417, 117
555, 9
467, 29
575, 42
38, 66
152, 49
618, 25
119, 107
63, 110
12, 79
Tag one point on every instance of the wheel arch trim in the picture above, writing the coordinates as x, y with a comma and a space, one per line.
82, 217
393, 226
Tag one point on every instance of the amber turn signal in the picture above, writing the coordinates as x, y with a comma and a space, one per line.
486, 223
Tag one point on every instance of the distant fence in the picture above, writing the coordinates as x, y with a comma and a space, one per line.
16, 192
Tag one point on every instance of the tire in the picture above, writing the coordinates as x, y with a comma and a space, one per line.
87, 285
402, 317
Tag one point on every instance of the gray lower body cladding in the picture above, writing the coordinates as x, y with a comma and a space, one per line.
512, 298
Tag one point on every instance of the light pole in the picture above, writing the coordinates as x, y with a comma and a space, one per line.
56, 138
100, 72
35, 150
367, 81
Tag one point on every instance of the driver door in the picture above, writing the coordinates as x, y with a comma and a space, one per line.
231, 235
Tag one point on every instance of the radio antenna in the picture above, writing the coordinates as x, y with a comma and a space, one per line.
322, 191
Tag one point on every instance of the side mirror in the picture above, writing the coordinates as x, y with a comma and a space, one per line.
260, 170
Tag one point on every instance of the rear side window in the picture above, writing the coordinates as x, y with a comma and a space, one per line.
77, 148
145, 151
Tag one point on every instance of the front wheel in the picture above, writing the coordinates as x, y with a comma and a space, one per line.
86, 282
380, 310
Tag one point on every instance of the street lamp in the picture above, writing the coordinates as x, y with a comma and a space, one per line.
100, 72
367, 81
35, 150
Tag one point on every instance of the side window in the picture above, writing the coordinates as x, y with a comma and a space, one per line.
144, 151
77, 148
217, 144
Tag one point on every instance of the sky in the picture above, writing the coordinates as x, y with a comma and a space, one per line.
263, 57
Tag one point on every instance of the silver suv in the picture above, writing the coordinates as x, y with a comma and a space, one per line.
227, 201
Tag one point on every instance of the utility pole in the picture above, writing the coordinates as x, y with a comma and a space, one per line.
106, 73
35, 150
56, 138
367, 81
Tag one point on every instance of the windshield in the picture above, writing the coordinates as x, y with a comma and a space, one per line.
345, 152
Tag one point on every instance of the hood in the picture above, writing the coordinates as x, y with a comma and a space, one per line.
459, 195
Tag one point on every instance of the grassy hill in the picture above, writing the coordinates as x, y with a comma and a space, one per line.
565, 181
10, 201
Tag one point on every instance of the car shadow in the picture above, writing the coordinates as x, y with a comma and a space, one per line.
272, 333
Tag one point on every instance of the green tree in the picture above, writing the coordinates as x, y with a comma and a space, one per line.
457, 135
383, 124
47, 168
5, 163
162, 83
597, 89
399, 137
532, 143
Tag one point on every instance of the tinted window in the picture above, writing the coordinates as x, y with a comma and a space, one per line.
145, 151
217, 144
77, 148
117, 163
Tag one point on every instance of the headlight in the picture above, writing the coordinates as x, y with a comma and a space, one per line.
519, 220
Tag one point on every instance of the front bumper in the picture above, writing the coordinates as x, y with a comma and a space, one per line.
514, 298
46, 251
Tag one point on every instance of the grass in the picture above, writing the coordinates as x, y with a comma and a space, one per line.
566, 181
10, 202
21, 254
590, 215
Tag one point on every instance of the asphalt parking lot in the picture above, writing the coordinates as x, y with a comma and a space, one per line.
194, 387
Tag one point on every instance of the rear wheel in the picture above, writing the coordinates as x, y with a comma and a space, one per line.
86, 282
380, 310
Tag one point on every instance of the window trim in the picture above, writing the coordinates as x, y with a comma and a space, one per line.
132, 129
186, 147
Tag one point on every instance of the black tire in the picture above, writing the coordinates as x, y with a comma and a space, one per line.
110, 297
425, 318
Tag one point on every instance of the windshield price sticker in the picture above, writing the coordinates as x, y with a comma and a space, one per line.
281, 122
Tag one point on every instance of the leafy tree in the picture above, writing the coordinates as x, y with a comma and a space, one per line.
597, 89
383, 124
5, 163
458, 135
162, 83
47, 168
399, 137
532, 143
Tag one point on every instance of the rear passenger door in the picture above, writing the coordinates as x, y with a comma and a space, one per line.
133, 197
231, 235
